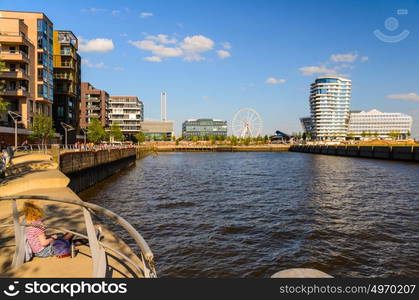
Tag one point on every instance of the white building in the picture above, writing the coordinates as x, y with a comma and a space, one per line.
329, 104
128, 112
379, 124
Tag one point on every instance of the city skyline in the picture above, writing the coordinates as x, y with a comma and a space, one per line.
262, 55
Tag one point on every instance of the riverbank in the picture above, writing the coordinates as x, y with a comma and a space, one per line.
401, 153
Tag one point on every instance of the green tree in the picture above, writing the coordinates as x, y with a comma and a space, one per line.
42, 127
140, 137
95, 131
213, 139
194, 139
115, 133
3, 103
266, 139
233, 140
246, 141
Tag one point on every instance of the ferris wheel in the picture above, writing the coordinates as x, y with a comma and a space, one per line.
247, 123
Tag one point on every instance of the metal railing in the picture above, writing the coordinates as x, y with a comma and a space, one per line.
145, 266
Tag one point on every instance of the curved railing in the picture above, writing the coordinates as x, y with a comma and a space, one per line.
146, 267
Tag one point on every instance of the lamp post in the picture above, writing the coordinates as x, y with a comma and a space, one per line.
84, 134
15, 117
67, 127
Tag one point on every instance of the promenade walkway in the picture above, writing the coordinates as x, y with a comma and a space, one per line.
36, 174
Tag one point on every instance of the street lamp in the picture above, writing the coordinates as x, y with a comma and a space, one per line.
67, 127
15, 117
84, 130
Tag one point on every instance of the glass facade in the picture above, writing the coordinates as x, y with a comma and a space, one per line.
45, 60
204, 127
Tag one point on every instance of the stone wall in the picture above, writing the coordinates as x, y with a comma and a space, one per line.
86, 168
405, 153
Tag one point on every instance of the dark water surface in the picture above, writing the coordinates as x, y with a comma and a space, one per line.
253, 214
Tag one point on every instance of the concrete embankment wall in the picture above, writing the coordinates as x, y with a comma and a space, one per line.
403, 153
86, 168
201, 148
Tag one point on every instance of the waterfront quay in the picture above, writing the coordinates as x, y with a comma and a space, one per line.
51, 180
401, 153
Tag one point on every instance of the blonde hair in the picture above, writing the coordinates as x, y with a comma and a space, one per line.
32, 211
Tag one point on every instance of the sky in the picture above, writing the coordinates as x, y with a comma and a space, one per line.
216, 57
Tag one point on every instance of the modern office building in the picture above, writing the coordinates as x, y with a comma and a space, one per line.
307, 125
94, 104
379, 124
67, 80
128, 112
157, 130
329, 104
204, 127
26, 47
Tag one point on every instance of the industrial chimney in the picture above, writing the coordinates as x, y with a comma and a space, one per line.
163, 106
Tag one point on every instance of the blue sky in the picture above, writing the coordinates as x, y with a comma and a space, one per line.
215, 57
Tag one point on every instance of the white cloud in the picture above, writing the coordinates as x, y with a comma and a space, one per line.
157, 50
146, 15
161, 38
272, 80
193, 46
95, 45
407, 97
310, 70
153, 59
115, 12
226, 45
344, 57
93, 10
89, 64
223, 54
364, 58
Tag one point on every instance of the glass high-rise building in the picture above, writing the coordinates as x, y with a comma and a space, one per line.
329, 104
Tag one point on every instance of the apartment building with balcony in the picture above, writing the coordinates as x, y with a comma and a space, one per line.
329, 103
17, 77
128, 112
94, 104
67, 81
39, 91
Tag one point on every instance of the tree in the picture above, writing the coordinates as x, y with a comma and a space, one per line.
233, 140
3, 103
213, 139
265, 139
115, 133
194, 139
140, 137
246, 141
42, 127
95, 131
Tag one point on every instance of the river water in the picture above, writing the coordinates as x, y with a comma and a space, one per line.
253, 214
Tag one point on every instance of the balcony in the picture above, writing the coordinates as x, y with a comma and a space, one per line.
18, 74
14, 56
14, 38
18, 92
